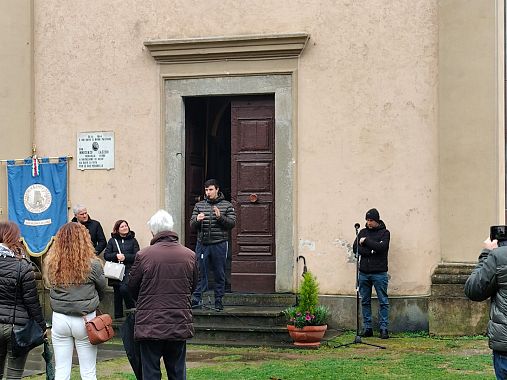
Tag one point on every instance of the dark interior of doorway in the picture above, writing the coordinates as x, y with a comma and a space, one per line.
208, 155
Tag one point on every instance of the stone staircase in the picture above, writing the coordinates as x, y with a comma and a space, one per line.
247, 319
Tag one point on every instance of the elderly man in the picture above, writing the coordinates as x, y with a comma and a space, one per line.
162, 280
93, 226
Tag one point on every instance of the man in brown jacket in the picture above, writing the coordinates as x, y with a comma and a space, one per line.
162, 280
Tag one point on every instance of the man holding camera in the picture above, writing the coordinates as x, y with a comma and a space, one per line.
489, 280
373, 249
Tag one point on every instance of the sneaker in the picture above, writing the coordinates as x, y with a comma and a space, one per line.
218, 305
384, 334
367, 333
196, 304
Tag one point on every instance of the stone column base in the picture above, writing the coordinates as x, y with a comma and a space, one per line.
450, 312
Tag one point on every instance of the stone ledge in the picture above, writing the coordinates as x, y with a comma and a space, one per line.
273, 46
447, 273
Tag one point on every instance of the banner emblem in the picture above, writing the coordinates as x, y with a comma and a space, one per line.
37, 198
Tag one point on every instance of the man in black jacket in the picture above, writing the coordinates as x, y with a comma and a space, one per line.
213, 218
93, 227
373, 249
488, 281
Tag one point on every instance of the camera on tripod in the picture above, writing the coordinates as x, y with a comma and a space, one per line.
499, 233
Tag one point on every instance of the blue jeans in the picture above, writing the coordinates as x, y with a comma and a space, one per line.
216, 255
379, 281
500, 365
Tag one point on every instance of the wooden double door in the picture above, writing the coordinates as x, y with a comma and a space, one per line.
232, 139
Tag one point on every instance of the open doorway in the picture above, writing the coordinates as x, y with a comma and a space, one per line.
208, 155
231, 139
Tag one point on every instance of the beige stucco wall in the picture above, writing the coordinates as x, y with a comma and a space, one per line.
16, 86
471, 125
366, 135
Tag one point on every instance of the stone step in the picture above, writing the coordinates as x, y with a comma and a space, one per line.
247, 319
248, 299
241, 335
248, 315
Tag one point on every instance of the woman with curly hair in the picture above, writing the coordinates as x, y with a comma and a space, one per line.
122, 248
17, 290
77, 283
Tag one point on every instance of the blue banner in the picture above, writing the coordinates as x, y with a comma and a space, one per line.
38, 201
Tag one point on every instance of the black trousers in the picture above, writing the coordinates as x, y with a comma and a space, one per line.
174, 354
121, 293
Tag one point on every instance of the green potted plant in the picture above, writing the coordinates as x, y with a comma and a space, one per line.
307, 321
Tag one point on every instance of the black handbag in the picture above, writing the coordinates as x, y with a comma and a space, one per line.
24, 338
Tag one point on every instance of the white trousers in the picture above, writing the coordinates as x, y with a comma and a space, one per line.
66, 331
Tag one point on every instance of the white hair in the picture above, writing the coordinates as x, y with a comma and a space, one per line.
161, 221
78, 208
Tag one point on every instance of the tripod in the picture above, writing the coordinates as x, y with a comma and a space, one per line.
357, 339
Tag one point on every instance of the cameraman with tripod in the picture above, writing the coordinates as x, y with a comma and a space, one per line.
489, 280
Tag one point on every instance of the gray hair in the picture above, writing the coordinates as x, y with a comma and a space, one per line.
161, 221
78, 208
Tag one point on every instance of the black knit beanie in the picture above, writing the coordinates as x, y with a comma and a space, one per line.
373, 215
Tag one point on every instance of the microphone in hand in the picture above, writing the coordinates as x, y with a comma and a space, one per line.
356, 226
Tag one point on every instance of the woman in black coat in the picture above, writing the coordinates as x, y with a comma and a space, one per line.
18, 294
122, 248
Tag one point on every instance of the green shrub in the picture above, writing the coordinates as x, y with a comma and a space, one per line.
307, 312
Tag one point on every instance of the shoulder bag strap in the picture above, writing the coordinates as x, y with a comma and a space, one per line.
16, 294
119, 250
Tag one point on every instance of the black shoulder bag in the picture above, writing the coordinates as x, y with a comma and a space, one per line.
24, 338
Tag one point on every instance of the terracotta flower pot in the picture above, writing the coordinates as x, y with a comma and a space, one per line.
308, 336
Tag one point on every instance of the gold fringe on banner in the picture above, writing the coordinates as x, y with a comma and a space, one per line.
40, 253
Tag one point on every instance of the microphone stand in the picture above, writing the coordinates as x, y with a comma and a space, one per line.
358, 339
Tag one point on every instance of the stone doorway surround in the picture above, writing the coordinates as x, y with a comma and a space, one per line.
233, 66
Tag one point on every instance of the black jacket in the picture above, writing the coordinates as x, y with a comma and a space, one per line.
374, 249
212, 230
96, 234
27, 304
128, 246
489, 280
162, 280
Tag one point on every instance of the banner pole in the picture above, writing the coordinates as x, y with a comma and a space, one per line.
23, 159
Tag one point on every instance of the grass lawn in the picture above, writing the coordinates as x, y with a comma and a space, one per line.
407, 356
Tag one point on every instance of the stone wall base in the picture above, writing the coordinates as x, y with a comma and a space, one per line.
405, 313
450, 312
